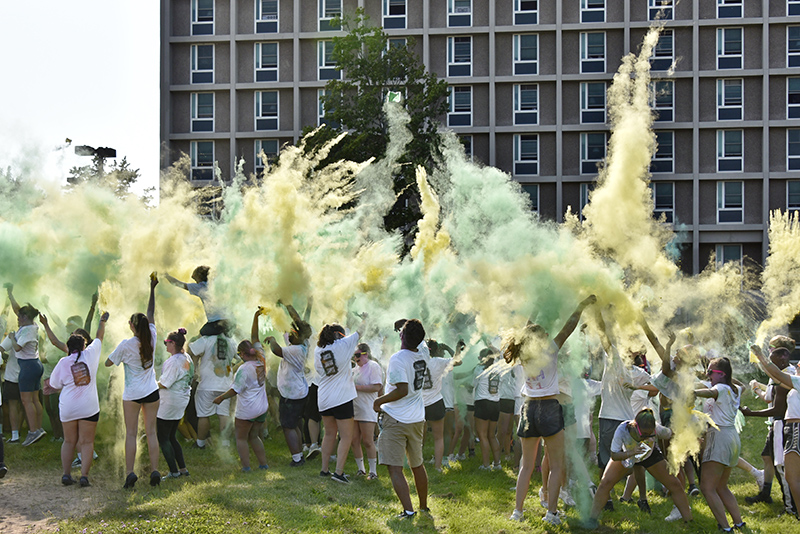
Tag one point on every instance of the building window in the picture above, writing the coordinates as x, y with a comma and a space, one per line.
322, 113
728, 9
793, 46
202, 156
663, 200
397, 42
328, 11
586, 189
593, 52
326, 66
593, 150
793, 195
729, 151
202, 112
793, 7
266, 110
729, 48
202, 17
526, 11
526, 154
664, 52
466, 142
663, 102
460, 106
266, 62
728, 253
730, 202
202, 63
593, 10
593, 102
526, 104
793, 98
394, 14
266, 16
793, 150
730, 99
664, 158
459, 56
532, 191
265, 149
459, 13
526, 53
660, 9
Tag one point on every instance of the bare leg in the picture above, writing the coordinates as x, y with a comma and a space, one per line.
530, 449
345, 439
242, 429
254, 439
438, 443
203, 428
482, 428
555, 449
675, 487
613, 474
86, 432
713, 473
400, 485
68, 447
328, 440
421, 483
150, 411
130, 411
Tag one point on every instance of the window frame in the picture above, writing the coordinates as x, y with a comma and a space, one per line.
659, 59
592, 64
729, 60
457, 69
592, 166
268, 23
526, 166
669, 212
522, 115
723, 209
593, 14
201, 123
663, 161
792, 108
719, 253
459, 118
661, 111
792, 160
655, 6
525, 189
592, 114
524, 16
262, 73
585, 190
201, 171
729, 111
260, 167
524, 66
792, 8
325, 70
470, 144
458, 17
203, 75
325, 15
729, 162
729, 9
201, 26
267, 122
394, 21
792, 56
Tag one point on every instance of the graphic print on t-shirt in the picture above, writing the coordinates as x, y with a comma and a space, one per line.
80, 374
328, 361
494, 383
428, 384
261, 375
420, 369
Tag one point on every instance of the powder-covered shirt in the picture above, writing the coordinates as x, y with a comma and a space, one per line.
432, 387
248, 383
291, 372
615, 397
12, 367
200, 290
624, 441
409, 367
139, 382
723, 410
333, 365
77, 402
508, 383
366, 375
545, 382
487, 384
793, 399
213, 371
28, 338
176, 377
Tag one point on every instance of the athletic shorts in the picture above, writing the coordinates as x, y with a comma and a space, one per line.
204, 403
436, 411
291, 412
312, 408
769, 444
10, 391
605, 435
487, 410
260, 419
569, 414
722, 446
30, 375
651, 460
470, 407
93, 419
153, 397
540, 418
343, 411
398, 441
791, 438
507, 406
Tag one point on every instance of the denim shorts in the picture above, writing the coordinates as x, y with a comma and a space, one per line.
30, 374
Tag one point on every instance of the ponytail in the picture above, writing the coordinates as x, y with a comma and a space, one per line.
178, 337
76, 343
329, 334
141, 328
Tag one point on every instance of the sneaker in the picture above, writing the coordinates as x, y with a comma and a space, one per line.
76, 463
760, 497
497, 466
542, 500
263, 467
760, 479
246, 470
184, 473
171, 475
426, 511
305, 449
67, 480
724, 529
674, 515
201, 447
361, 473
609, 507
592, 489
56, 440
552, 518
566, 497
13, 441
446, 462
461, 457
484, 468
626, 501
324, 473
3, 470
694, 491
313, 451
643, 505
298, 463
451, 459
155, 478
344, 479
432, 460
405, 515
33, 437
85, 482
130, 480
516, 515
372, 476
740, 526
471, 453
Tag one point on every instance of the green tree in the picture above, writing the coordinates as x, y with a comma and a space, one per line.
119, 177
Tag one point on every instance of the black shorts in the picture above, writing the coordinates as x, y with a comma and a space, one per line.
311, 411
507, 406
651, 460
487, 410
93, 419
291, 412
470, 408
666, 417
153, 397
435, 412
11, 391
540, 418
343, 411
569, 414
769, 451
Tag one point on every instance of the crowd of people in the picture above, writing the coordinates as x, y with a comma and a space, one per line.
513, 401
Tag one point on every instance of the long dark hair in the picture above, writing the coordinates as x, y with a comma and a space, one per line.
329, 334
76, 343
724, 364
178, 337
141, 328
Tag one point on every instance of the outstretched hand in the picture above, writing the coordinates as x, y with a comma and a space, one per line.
43, 319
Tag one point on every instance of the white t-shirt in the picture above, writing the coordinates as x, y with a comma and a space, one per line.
248, 383
213, 373
176, 377
139, 382
28, 339
432, 387
77, 402
448, 388
487, 384
545, 383
200, 290
793, 399
640, 399
366, 375
623, 441
333, 365
723, 410
508, 383
12, 367
407, 367
615, 397
291, 372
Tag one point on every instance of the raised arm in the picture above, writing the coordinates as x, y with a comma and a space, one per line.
572, 322
175, 282
771, 369
101, 328
57, 343
14, 304
662, 352
151, 304
309, 305
254, 328
605, 338
87, 324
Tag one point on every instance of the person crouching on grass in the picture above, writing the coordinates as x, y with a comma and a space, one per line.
404, 417
252, 406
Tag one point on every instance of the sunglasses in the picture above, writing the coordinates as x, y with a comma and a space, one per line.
639, 431
710, 371
168, 341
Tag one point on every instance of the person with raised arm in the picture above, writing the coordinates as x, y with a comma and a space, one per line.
141, 388
433, 396
79, 406
541, 412
216, 324
175, 388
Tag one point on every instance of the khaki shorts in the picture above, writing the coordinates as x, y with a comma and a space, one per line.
400, 440
204, 403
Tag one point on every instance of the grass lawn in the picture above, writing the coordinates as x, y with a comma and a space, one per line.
218, 497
